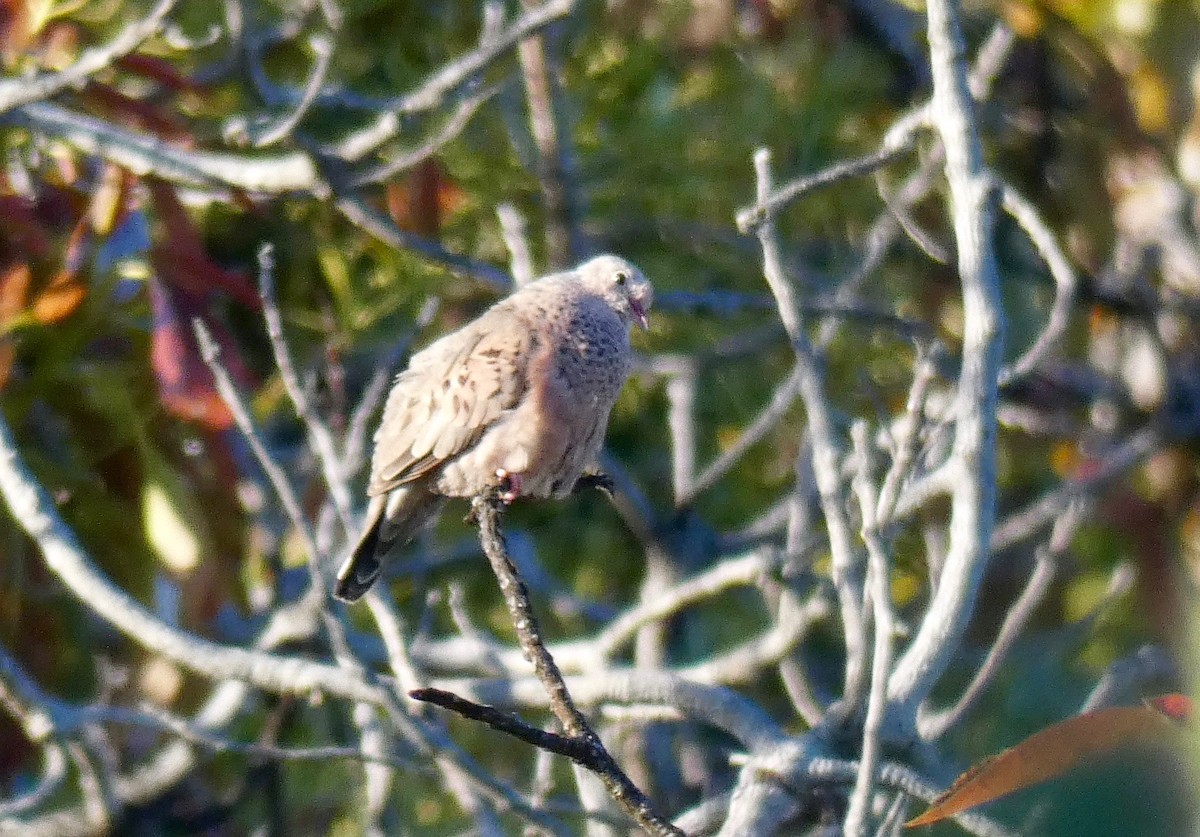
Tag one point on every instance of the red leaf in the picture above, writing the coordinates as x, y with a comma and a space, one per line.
139, 113
159, 70
185, 382
1045, 755
20, 228
180, 258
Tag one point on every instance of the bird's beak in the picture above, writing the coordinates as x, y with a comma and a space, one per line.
639, 314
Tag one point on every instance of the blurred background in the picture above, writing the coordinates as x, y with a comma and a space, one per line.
655, 110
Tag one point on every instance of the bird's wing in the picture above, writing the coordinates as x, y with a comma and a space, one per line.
450, 394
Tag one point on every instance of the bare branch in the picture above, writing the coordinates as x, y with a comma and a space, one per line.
781, 401
751, 218
1044, 570
515, 230
319, 435
826, 457
360, 213
1147, 664
17, 92
555, 162
564, 745
729, 573
879, 587
322, 47
1066, 283
36, 513
451, 129
717, 706
974, 456
452, 75
211, 353
145, 155
516, 598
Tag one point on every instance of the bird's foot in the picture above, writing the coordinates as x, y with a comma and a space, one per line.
510, 486
601, 482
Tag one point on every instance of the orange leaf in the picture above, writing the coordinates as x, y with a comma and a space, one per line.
60, 299
1174, 706
17, 27
110, 199
1046, 754
421, 200
14, 291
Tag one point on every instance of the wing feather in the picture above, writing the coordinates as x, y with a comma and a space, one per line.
450, 394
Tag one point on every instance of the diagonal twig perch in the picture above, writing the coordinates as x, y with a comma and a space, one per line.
579, 741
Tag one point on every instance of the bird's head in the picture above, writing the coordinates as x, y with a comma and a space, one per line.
621, 285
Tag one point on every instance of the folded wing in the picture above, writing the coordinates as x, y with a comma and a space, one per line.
450, 394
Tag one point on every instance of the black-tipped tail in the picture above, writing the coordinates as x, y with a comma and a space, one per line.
363, 566
393, 519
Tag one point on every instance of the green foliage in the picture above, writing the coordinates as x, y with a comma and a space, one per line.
662, 131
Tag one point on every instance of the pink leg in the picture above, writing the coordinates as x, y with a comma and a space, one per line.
510, 485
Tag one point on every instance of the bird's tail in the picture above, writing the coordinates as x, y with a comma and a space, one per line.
392, 519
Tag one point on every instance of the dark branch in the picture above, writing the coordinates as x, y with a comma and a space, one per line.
507, 722
487, 512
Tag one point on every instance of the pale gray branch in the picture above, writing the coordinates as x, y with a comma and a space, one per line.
17, 92
973, 496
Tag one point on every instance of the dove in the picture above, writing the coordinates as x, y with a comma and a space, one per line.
515, 403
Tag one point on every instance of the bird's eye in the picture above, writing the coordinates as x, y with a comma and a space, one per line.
621, 278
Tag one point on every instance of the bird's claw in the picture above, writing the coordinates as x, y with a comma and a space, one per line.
601, 482
510, 486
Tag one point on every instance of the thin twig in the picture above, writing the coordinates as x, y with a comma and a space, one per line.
508, 723
360, 213
555, 167
714, 706
729, 573
319, 435
515, 230
681, 421
750, 218
1113, 464
1045, 567
322, 47
54, 773
17, 92
450, 129
826, 458
879, 587
211, 353
906, 442
575, 725
781, 401
1066, 283
1126, 675
453, 74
